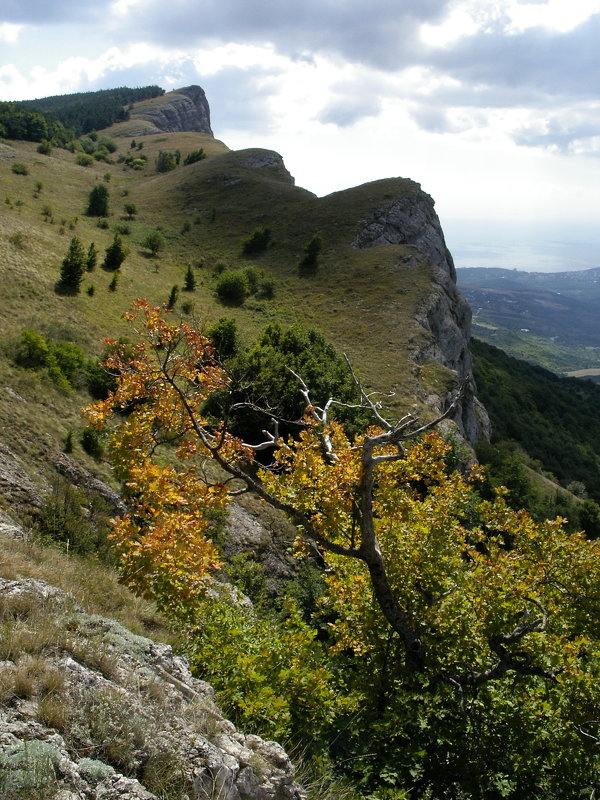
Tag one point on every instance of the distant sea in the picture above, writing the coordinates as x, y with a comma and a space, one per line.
532, 247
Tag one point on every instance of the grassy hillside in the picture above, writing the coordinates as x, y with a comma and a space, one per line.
364, 301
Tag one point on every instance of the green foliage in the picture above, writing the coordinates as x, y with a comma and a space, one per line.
270, 675
84, 160
550, 417
91, 258
16, 122
225, 338
165, 161
173, 295
265, 372
98, 201
32, 350
74, 517
311, 253
88, 111
115, 254
112, 286
233, 287
257, 242
19, 168
73, 267
189, 281
155, 242
130, 209
45, 147
195, 155
92, 443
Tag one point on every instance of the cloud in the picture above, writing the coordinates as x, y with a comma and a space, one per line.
38, 12
381, 33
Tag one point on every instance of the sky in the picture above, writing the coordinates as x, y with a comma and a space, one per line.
493, 106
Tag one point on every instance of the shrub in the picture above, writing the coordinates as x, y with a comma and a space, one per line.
195, 155
32, 350
84, 160
44, 147
257, 242
154, 242
233, 287
311, 252
18, 240
165, 161
91, 441
20, 169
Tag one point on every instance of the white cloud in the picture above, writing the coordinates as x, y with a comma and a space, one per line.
9, 33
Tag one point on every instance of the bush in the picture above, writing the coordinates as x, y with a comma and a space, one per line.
257, 242
165, 161
91, 441
154, 242
195, 155
20, 169
84, 160
311, 251
32, 350
233, 287
45, 148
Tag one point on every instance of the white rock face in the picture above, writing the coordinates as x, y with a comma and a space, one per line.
124, 708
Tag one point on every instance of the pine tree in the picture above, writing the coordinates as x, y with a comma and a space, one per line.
92, 257
116, 253
98, 202
189, 283
73, 267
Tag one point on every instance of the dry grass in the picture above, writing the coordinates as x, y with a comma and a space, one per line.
93, 586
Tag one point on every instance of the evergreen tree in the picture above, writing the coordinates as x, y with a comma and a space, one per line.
116, 253
98, 202
189, 280
73, 267
173, 296
92, 257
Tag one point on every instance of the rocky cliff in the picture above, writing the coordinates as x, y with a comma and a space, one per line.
411, 220
90, 710
182, 110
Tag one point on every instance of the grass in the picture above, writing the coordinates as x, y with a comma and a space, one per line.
365, 301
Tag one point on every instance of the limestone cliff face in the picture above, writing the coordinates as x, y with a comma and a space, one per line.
411, 220
182, 110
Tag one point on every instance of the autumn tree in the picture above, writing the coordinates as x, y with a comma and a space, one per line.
460, 618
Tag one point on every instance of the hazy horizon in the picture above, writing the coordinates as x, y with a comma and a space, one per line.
531, 247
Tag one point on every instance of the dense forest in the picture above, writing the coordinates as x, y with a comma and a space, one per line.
63, 117
546, 421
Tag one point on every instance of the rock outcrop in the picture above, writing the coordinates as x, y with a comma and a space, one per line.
103, 714
182, 110
411, 220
